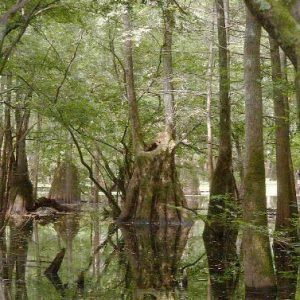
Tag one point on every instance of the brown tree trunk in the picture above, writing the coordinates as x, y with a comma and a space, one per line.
21, 191
36, 160
153, 192
7, 153
258, 267
220, 232
65, 185
287, 210
281, 20
169, 100
5, 18
130, 84
210, 69
2, 130
278, 20
286, 193
297, 90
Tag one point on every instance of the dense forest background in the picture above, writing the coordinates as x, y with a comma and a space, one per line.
137, 104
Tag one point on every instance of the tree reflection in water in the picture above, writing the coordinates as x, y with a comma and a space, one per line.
13, 260
132, 263
67, 228
154, 254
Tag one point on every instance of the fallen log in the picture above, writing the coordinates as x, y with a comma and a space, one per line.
47, 202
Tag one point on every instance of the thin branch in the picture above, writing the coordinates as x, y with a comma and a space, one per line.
180, 8
114, 205
97, 140
184, 136
155, 74
48, 7
193, 263
68, 68
9, 90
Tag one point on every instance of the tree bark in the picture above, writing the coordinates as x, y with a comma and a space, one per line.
5, 18
130, 84
21, 190
286, 192
277, 19
7, 152
36, 160
169, 100
281, 20
210, 69
153, 194
220, 232
258, 267
287, 210
65, 185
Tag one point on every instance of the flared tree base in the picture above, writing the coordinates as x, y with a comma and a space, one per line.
154, 194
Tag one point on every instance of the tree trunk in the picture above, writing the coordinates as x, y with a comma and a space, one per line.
240, 165
287, 210
21, 191
36, 160
5, 18
286, 193
169, 100
297, 88
2, 130
65, 185
210, 69
258, 267
7, 157
220, 232
153, 192
279, 22
130, 84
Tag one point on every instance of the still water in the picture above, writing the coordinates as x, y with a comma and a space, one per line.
103, 261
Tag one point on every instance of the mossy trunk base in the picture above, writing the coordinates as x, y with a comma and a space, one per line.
154, 194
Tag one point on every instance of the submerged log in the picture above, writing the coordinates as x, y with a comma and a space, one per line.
46, 202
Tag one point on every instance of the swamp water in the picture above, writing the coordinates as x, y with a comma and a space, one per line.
103, 261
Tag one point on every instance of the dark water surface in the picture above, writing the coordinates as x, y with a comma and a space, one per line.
103, 261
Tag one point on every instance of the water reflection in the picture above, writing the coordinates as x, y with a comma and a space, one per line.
286, 263
14, 261
67, 228
154, 254
102, 261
